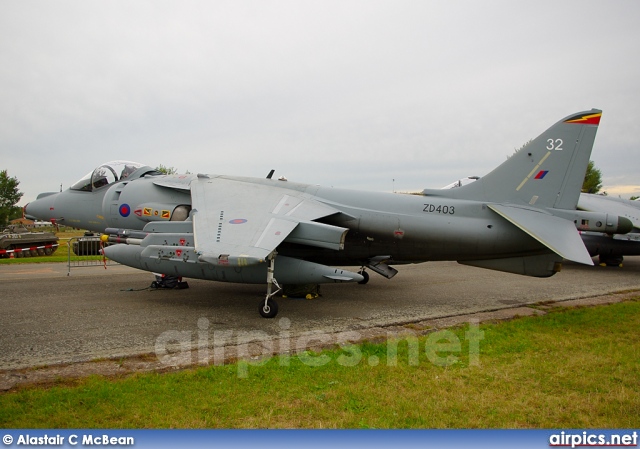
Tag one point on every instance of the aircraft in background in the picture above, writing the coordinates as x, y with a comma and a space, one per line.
611, 248
519, 218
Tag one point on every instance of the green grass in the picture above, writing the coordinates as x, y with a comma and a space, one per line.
577, 368
58, 256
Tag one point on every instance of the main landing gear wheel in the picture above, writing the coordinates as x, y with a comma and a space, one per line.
365, 275
268, 308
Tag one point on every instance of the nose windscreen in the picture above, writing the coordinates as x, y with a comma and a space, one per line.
105, 175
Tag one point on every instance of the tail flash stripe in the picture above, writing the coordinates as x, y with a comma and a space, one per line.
534, 170
542, 174
586, 119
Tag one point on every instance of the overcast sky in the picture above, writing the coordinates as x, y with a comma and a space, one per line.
343, 93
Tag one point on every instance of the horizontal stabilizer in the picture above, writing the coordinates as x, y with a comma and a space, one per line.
557, 234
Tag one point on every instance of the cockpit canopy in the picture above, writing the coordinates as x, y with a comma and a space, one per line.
111, 172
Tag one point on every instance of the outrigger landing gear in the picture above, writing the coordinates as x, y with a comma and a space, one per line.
269, 308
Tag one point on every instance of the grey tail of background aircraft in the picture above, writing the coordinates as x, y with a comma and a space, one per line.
547, 172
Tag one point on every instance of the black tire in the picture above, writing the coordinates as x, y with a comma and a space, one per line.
268, 310
365, 275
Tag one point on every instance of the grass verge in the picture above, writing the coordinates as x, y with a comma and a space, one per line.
61, 254
575, 368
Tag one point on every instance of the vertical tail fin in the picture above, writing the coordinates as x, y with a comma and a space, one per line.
547, 172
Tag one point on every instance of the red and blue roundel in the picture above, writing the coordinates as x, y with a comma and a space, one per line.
237, 221
125, 210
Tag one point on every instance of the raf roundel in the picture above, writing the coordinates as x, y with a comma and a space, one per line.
125, 210
238, 221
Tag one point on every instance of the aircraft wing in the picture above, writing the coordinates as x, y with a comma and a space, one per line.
238, 223
557, 234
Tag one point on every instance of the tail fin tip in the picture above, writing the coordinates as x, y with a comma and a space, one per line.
546, 172
586, 118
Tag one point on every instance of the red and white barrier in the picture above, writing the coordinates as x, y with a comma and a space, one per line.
19, 250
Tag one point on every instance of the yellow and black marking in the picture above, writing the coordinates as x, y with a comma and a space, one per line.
585, 119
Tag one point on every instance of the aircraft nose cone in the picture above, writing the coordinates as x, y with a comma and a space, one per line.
42, 208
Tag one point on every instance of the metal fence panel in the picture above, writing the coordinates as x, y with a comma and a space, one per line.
85, 252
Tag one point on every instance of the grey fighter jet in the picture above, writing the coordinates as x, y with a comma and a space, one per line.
519, 218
